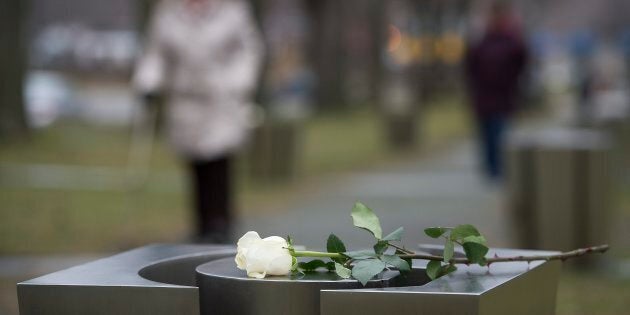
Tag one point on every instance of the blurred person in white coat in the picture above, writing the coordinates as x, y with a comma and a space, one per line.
203, 56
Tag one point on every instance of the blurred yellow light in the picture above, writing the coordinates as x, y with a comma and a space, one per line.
449, 48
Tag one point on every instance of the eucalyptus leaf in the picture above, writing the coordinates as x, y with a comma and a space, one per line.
462, 231
366, 269
435, 232
397, 262
449, 249
476, 252
395, 236
434, 269
363, 217
342, 271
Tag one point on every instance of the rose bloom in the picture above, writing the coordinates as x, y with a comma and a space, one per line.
261, 257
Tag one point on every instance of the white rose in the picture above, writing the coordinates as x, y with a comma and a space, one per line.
261, 257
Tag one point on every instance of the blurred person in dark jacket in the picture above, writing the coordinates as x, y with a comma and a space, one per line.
204, 56
493, 67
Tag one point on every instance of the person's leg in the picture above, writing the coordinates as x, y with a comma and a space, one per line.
484, 145
212, 191
197, 187
494, 151
220, 193
490, 142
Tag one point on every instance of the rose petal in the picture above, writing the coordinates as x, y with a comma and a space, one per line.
257, 275
261, 257
249, 238
280, 266
243, 245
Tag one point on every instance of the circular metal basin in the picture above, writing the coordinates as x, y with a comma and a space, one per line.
224, 289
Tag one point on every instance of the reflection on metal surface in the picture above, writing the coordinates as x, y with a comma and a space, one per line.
504, 288
114, 285
223, 289
160, 279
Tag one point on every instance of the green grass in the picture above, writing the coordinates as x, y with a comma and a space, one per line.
350, 141
589, 293
45, 221
65, 220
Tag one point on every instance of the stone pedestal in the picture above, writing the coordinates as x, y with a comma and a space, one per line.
559, 184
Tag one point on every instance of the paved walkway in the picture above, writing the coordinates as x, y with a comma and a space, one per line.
442, 190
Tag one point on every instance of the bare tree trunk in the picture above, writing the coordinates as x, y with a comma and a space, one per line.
144, 9
378, 27
12, 65
258, 9
326, 51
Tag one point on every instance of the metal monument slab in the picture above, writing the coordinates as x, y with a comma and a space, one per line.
192, 279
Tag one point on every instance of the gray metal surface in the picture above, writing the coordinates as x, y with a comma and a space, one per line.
114, 285
559, 185
224, 289
530, 288
507, 288
160, 279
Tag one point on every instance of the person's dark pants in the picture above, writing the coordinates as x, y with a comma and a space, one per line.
491, 133
213, 199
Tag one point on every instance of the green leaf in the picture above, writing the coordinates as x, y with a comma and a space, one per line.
361, 254
446, 269
312, 265
476, 252
294, 263
475, 239
380, 247
395, 236
449, 249
366, 269
462, 231
342, 271
330, 265
434, 269
334, 244
435, 232
408, 260
397, 262
363, 217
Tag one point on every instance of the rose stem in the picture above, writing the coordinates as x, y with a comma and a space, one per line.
561, 256
307, 253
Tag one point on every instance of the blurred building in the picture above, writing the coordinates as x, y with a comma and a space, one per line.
83, 36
